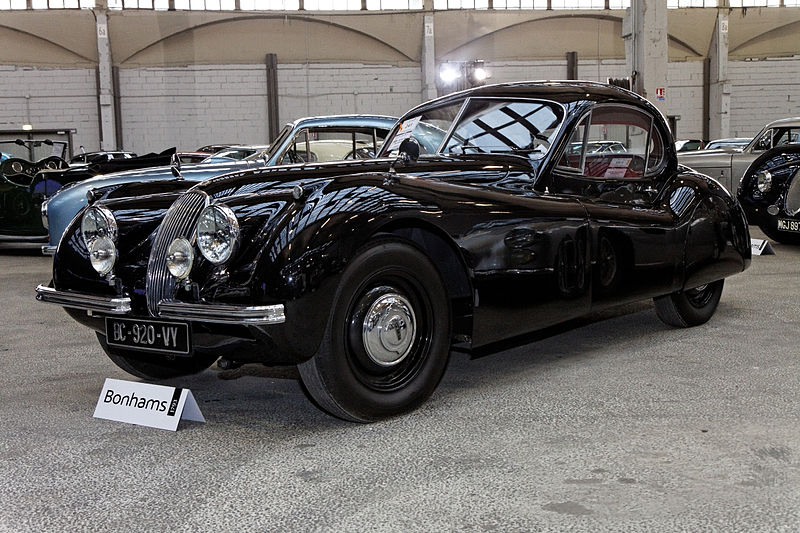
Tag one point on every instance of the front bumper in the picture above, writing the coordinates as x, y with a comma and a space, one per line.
27, 242
256, 315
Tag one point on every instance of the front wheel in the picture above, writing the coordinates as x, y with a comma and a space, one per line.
154, 367
691, 307
387, 341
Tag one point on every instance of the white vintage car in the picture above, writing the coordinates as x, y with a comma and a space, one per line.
727, 166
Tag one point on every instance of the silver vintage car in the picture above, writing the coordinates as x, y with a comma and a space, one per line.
727, 165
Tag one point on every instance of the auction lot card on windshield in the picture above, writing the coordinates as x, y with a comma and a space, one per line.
146, 404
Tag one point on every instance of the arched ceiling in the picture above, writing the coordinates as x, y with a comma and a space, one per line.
42, 38
159, 38
149, 39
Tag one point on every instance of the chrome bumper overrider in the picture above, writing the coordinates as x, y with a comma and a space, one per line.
216, 313
79, 300
222, 313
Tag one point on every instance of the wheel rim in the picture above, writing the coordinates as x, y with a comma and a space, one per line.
389, 329
700, 296
388, 334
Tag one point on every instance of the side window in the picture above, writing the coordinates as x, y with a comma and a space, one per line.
319, 145
765, 142
619, 143
573, 155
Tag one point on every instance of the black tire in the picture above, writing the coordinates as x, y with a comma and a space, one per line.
772, 232
362, 376
691, 307
154, 367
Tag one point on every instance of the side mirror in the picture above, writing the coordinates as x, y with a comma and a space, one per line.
409, 150
175, 166
408, 153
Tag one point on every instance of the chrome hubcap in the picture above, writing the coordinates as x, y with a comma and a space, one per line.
389, 329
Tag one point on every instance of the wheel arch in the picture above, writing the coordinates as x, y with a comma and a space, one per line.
448, 260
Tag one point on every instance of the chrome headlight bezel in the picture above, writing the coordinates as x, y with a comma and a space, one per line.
180, 258
217, 233
764, 181
105, 225
103, 255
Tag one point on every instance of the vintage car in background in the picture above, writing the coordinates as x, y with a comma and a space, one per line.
214, 148
731, 143
100, 156
770, 193
727, 166
28, 174
235, 153
364, 274
688, 145
295, 139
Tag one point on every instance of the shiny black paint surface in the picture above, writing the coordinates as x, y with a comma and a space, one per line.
519, 245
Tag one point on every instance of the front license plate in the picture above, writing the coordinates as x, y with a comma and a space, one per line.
150, 335
789, 225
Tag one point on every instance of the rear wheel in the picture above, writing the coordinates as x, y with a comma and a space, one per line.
690, 307
388, 336
149, 366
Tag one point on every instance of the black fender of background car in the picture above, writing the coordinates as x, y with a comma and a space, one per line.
783, 163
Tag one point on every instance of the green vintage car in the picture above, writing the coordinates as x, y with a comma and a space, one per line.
24, 183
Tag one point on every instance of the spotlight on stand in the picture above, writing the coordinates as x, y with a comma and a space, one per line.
477, 73
460, 75
449, 73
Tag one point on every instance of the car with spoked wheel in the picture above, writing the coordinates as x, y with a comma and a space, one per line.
770, 193
365, 274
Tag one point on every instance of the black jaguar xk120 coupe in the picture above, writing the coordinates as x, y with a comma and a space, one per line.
478, 221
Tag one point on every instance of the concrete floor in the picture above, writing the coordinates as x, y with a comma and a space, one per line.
617, 424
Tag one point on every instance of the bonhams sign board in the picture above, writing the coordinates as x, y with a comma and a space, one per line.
155, 406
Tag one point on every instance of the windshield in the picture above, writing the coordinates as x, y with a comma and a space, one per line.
32, 150
428, 129
486, 125
273, 147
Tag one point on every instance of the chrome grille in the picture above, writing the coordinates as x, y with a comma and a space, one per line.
793, 195
179, 221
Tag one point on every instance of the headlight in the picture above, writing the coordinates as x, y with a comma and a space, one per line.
103, 255
98, 222
44, 215
764, 181
217, 233
180, 256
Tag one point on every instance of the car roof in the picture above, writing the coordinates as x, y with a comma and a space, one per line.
559, 91
367, 121
792, 121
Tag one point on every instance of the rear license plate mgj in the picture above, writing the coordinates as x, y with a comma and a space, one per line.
789, 225
150, 335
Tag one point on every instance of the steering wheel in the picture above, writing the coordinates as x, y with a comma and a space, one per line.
52, 162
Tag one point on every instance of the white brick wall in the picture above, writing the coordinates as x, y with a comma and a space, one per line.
191, 106
333, 89
195, 105
59, 98
685, 98
763, 91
